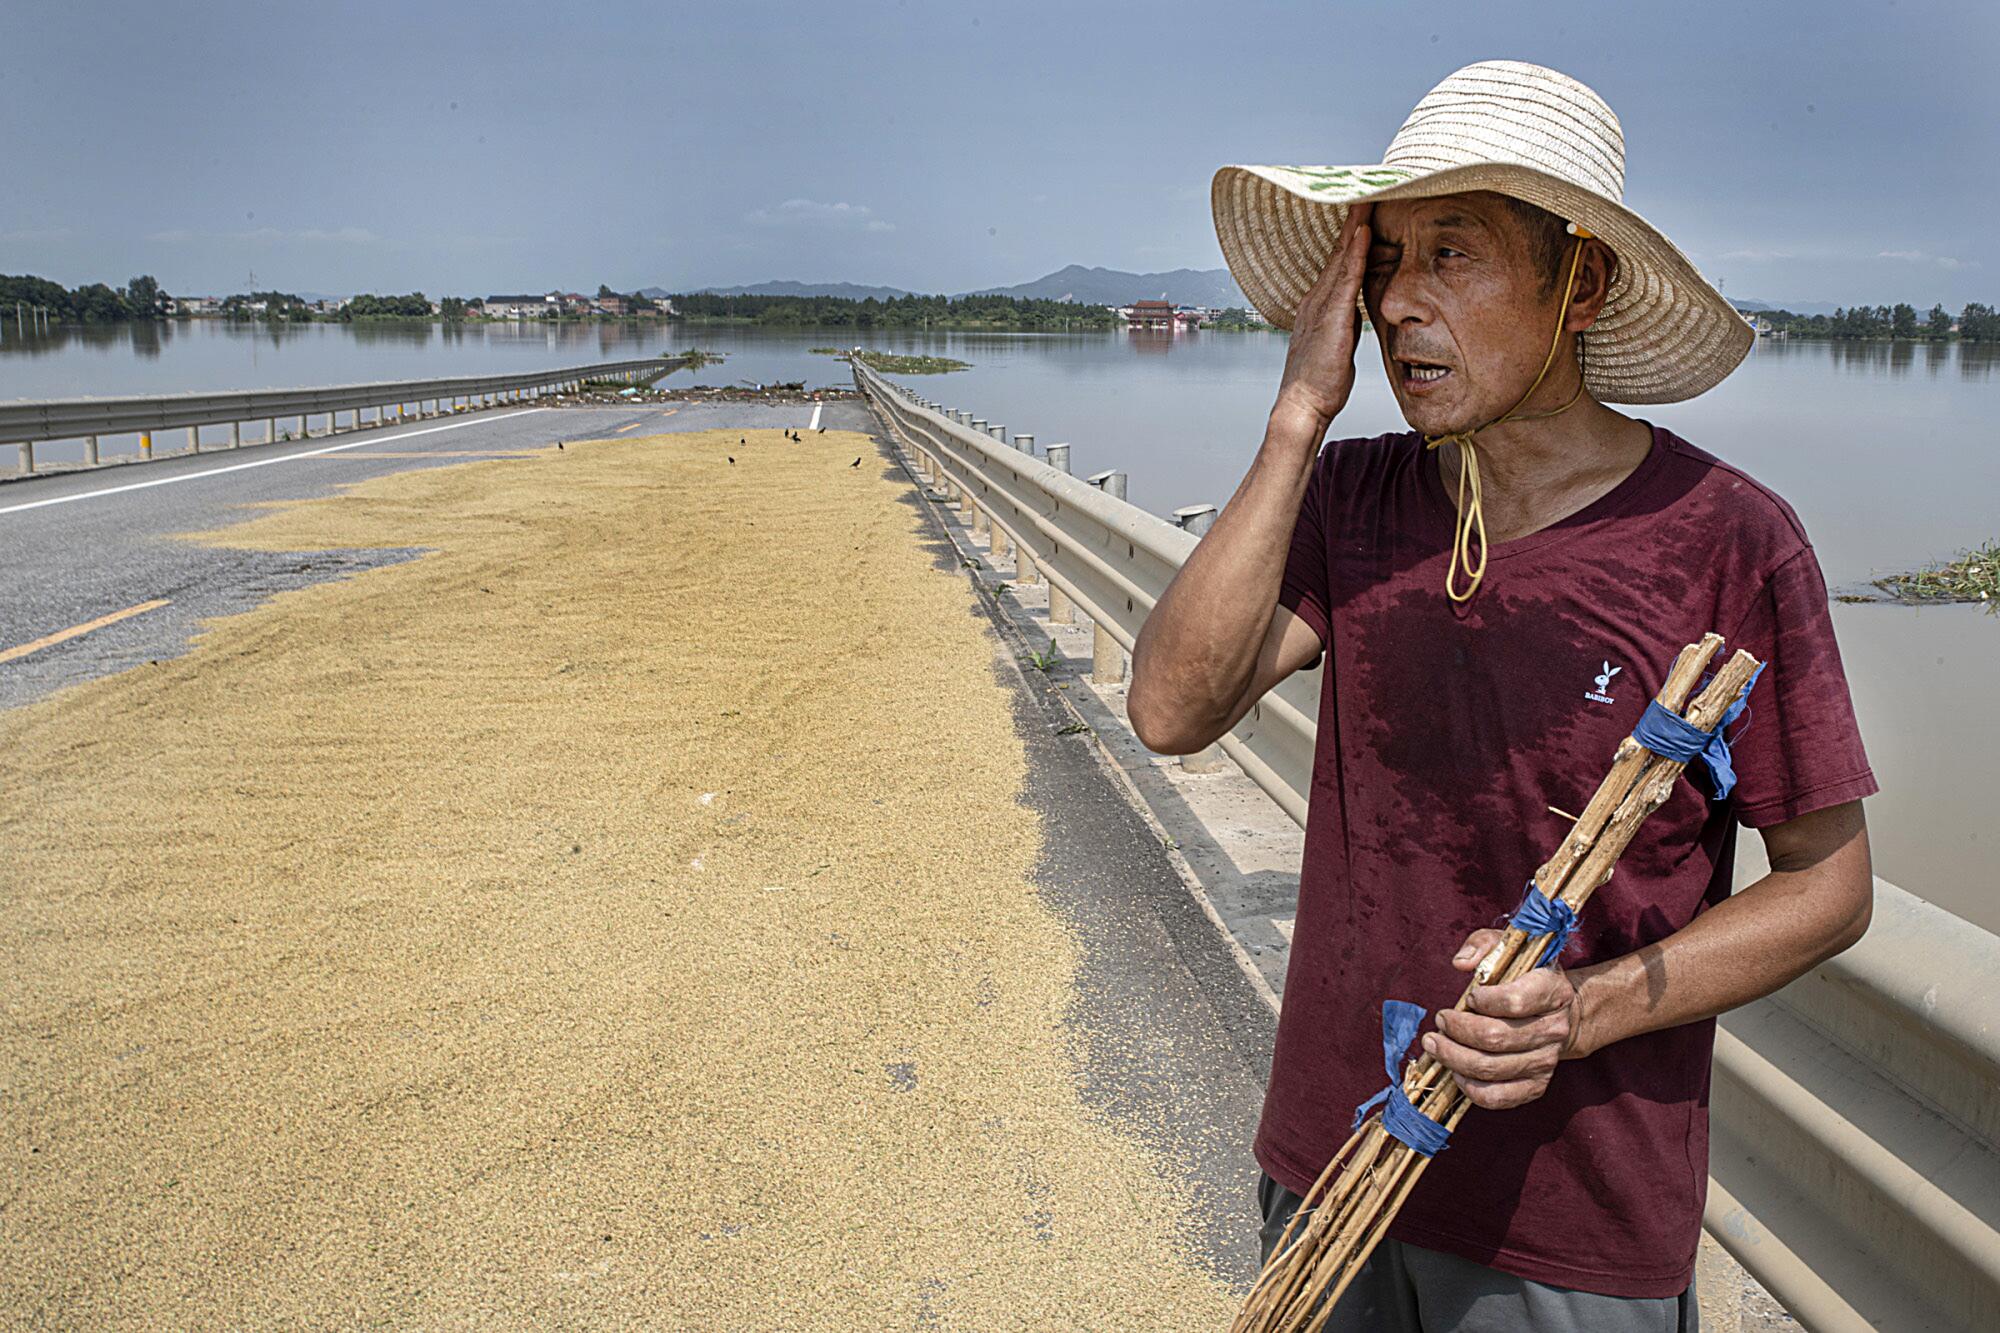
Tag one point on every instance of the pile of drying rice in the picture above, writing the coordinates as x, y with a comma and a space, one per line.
621, 915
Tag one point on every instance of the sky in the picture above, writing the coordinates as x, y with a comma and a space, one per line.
1832, 151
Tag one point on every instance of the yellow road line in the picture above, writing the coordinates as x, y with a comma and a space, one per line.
63, 635
622, 429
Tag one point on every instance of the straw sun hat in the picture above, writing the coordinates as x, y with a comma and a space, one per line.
1522, 130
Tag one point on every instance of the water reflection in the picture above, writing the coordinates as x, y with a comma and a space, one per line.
179, 356
413, 334
1975, 361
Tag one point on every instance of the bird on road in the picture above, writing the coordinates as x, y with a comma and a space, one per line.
855, 463
822, 430
739, 440
559, 445
731, 457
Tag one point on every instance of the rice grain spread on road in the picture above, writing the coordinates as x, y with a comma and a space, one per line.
622, 914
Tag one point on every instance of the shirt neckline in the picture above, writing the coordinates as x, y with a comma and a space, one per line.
1443, 507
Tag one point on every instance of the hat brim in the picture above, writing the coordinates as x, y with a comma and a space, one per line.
1664, 334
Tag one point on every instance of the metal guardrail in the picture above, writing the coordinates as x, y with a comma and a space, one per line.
1855, 1115
25, 424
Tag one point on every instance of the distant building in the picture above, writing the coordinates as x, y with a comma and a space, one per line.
194, 305
522, 307
611, 305
1149, 315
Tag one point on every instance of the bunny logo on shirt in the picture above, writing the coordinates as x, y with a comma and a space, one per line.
1602, 694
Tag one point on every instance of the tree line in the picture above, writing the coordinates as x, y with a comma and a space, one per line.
902, 312
1976, 323
94, 303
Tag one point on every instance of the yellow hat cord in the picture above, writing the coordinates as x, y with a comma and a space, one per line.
1471, 517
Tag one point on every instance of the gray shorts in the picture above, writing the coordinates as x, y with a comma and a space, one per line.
1407, 1289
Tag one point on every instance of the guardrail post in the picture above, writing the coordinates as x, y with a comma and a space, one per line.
90, 451
979, 424
998, 432
271, 431
194, 439
1026, 444
1058, 455
235, 435
145, 444
27, 456
1197, 519
996, 537
1111, 482
981, 525
1061, 609
1107, 659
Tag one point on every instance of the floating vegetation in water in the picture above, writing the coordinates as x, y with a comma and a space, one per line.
1973, 577
695, 357
892, 363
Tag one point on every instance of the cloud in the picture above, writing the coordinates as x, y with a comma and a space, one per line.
1826, 255
1919, 257
811, 213
1759, 255
269, 236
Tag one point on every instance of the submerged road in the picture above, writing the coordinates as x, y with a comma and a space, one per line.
667, 902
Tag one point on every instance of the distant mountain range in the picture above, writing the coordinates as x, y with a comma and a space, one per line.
1796, 307
1110, 286
845, 290
1085, 286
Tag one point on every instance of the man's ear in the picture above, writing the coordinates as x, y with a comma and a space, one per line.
1597, 271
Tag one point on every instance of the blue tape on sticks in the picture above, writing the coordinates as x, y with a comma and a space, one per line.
1403, 1121
1540, 914
1673, 737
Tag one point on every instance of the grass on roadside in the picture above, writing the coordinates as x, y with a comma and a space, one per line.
891, 363
1973, 577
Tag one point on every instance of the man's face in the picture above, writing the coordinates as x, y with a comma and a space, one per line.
1452, 286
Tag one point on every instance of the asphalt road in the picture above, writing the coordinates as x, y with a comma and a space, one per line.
1165, 1031
78, 547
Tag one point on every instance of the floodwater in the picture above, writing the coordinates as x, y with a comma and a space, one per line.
1887, 452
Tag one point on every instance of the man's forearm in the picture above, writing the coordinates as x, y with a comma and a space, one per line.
1756, 942
1196, 652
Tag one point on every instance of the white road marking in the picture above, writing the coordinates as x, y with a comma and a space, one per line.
264, 462
814, 423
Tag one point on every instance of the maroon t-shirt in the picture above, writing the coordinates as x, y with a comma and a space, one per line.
1444, 735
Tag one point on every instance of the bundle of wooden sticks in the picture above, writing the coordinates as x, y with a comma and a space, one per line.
1350, 1206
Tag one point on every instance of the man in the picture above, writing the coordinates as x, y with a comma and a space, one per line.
1497, 594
